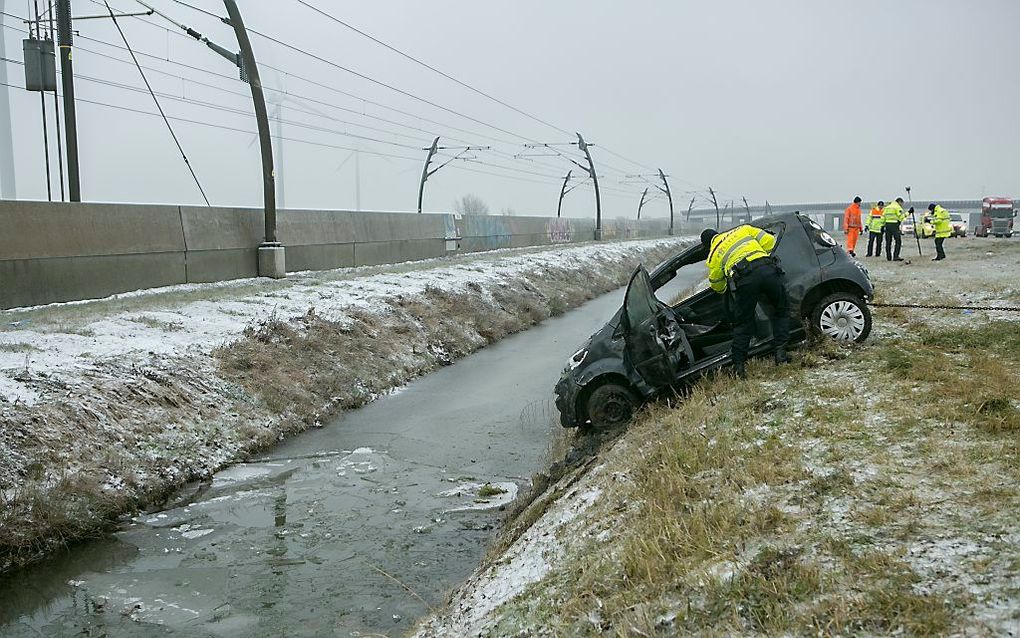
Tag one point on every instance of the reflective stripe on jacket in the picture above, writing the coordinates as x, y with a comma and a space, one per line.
893, 214
943, 225
852, 217
875, 222
732, 247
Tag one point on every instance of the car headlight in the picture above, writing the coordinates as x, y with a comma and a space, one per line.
826, 238
577, 358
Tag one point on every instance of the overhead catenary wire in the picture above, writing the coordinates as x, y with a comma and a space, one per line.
448, 76
158, 106
229, 128
285, 72
399, 90
428, 66
352, 96
361, 113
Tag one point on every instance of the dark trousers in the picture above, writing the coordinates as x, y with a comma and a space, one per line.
875, 241
940, 251
893, 235
763, 283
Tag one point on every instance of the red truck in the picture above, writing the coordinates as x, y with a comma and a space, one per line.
997, 215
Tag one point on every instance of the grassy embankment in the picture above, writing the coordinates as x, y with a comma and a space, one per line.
870, 489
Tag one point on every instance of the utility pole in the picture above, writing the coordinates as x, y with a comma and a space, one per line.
644, 198
65, 43
8, 185
56, 114
563, 192
425, 174
432, 150
271, 254
690, 207
581, 144
669, 196
589, 169
250, 72
46, 50
715, 202
664, 189
357, 179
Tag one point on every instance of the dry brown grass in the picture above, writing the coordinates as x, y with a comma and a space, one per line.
163, 425
708, 544
311, 368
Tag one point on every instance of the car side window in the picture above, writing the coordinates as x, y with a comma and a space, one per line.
640, 302
777, 229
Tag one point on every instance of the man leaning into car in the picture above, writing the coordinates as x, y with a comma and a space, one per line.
740, 261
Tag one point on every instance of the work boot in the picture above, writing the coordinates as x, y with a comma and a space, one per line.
739, 370
782, 356
898, 259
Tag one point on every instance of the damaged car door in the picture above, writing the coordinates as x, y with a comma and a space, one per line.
655, 346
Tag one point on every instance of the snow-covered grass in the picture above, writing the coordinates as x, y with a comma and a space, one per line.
868, 490
114, 402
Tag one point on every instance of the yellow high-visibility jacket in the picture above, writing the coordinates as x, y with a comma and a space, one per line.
875, 221
893, 214
733, 246
943, 225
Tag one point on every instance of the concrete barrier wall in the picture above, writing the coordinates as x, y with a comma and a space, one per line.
52, 252
60, 253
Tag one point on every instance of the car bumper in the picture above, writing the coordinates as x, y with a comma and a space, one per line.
567, 392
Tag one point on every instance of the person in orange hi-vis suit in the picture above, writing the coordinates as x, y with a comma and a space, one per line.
852, 225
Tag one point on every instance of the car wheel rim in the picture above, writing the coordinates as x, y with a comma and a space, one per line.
615, 409
842, 320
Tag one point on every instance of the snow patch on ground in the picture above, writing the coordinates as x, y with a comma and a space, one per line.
47, 348
529, 559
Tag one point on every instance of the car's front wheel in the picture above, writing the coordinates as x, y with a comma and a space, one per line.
610, 405
843, 317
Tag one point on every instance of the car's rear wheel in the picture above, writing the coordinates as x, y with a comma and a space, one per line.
843, 317
611, 405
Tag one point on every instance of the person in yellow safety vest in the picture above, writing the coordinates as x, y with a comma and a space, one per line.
892, 217
875, 225
943, 229
740, 262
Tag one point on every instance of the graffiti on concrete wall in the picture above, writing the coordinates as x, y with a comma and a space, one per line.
486, 232
560, 231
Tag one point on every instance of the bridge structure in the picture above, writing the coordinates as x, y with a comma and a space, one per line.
828, 214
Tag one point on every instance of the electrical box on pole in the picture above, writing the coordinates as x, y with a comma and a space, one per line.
40, 65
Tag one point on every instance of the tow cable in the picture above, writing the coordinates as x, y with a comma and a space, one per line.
940, 307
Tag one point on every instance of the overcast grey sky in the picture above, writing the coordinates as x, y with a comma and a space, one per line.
790, 101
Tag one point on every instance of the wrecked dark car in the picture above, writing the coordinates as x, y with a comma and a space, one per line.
650, 346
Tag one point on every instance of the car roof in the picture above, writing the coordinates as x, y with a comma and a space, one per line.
697, 252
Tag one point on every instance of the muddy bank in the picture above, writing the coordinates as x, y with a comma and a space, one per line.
109, 408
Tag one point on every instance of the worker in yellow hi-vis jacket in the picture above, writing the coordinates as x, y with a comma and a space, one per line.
740, 262
943, 229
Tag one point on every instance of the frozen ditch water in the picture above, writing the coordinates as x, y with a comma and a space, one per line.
359, 526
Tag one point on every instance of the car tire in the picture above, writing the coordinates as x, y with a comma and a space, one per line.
611, 405
843, 317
